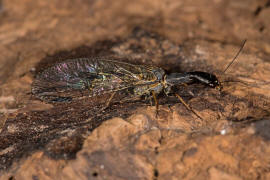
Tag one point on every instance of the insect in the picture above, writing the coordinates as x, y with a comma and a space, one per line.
70, 79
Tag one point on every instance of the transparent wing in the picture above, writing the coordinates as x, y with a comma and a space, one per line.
87, 77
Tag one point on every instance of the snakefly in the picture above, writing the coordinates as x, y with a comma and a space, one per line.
98, 76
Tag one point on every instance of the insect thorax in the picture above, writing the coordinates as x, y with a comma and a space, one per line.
152, 81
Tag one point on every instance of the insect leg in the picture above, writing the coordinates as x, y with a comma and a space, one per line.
108, 102
156, 102
187, 106
189, 92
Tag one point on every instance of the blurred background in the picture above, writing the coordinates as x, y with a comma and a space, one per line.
31, 29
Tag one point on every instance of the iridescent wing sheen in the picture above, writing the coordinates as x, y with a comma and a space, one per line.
89, 77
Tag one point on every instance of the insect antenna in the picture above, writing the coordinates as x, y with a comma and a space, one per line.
235, 56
